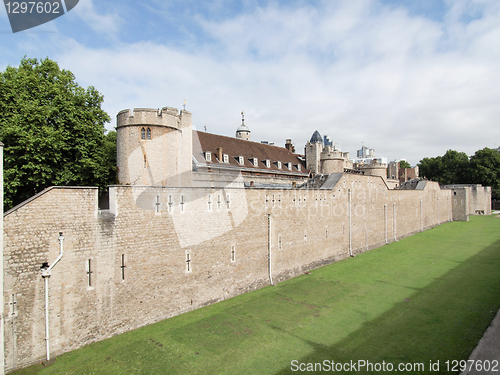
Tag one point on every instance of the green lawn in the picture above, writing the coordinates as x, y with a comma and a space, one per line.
426, 298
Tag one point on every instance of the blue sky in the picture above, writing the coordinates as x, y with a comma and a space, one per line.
408, 78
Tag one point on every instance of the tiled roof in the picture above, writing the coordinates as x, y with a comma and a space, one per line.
234, 148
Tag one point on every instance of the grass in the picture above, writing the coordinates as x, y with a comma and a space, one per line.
426, 298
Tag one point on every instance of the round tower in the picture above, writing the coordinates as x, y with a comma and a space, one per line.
154, 147
243, 132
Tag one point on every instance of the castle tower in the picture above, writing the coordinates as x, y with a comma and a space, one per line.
334, 161
243, 132
313, 152
154, 147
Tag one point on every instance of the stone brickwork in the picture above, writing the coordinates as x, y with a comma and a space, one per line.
162, 251
154, 147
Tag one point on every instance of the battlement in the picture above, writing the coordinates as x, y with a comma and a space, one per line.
167, 116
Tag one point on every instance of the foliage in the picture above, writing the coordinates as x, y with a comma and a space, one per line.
52, 130
404, 164
428, 297
455, 168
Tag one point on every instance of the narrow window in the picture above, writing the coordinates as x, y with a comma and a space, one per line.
241, 160
226, 158
218, 202
157, 203
12, 306
268, 163
170, 203
326, 232
227, 201
89, 272
267, 200
278, 165
255, 162
188, 263
143, 133
279, 200
280, 243
182, 203
233, 253
123, 267
208, 156
209, 203
294, 200
305, 236
145, 162
148, 133
273, 200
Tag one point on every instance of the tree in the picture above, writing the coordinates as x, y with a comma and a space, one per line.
52, 130
485, 169
404, 164
451, 168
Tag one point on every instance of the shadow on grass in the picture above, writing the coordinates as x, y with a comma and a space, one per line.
441, 322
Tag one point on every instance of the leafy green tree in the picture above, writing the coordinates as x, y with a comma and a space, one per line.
484, 169
451, 168
431, 168
52, 129
404, 164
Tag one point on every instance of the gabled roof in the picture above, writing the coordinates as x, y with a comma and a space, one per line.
234, 148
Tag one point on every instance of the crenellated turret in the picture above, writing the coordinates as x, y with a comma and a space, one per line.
154, 147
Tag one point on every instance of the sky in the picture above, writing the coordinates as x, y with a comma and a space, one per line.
408, 78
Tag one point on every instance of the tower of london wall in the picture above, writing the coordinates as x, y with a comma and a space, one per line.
162, 251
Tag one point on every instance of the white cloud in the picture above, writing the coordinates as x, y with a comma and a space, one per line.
108, 24
407, 86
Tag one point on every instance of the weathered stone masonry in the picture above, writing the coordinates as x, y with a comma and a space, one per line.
161, 251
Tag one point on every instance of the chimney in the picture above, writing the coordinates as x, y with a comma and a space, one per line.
219, 154
289, 146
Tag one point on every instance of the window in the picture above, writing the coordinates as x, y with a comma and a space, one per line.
268, 163
298, 167
209, 203
278, 165
123, 267
289, 166
241, 160
227, 201
148, 134
233, 253
280, 243
143, 133
182, 204
12, 306
226, 158
157, 203
170, 203
255, 162
208, 156
145, 162
189, 267
89, 272
218, 202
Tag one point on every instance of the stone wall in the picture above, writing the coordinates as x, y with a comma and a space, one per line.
159, 252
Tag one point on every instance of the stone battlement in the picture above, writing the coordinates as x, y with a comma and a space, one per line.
167, 116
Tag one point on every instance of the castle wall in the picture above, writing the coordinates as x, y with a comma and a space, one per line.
159, 251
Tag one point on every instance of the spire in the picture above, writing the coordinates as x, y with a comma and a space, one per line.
243, 132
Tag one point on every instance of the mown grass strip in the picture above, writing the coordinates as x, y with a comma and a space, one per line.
426, 298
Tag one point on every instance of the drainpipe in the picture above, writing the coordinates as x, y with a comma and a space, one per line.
421, 217
394, 214
46, 272
385, 217
269, 246
350, 223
